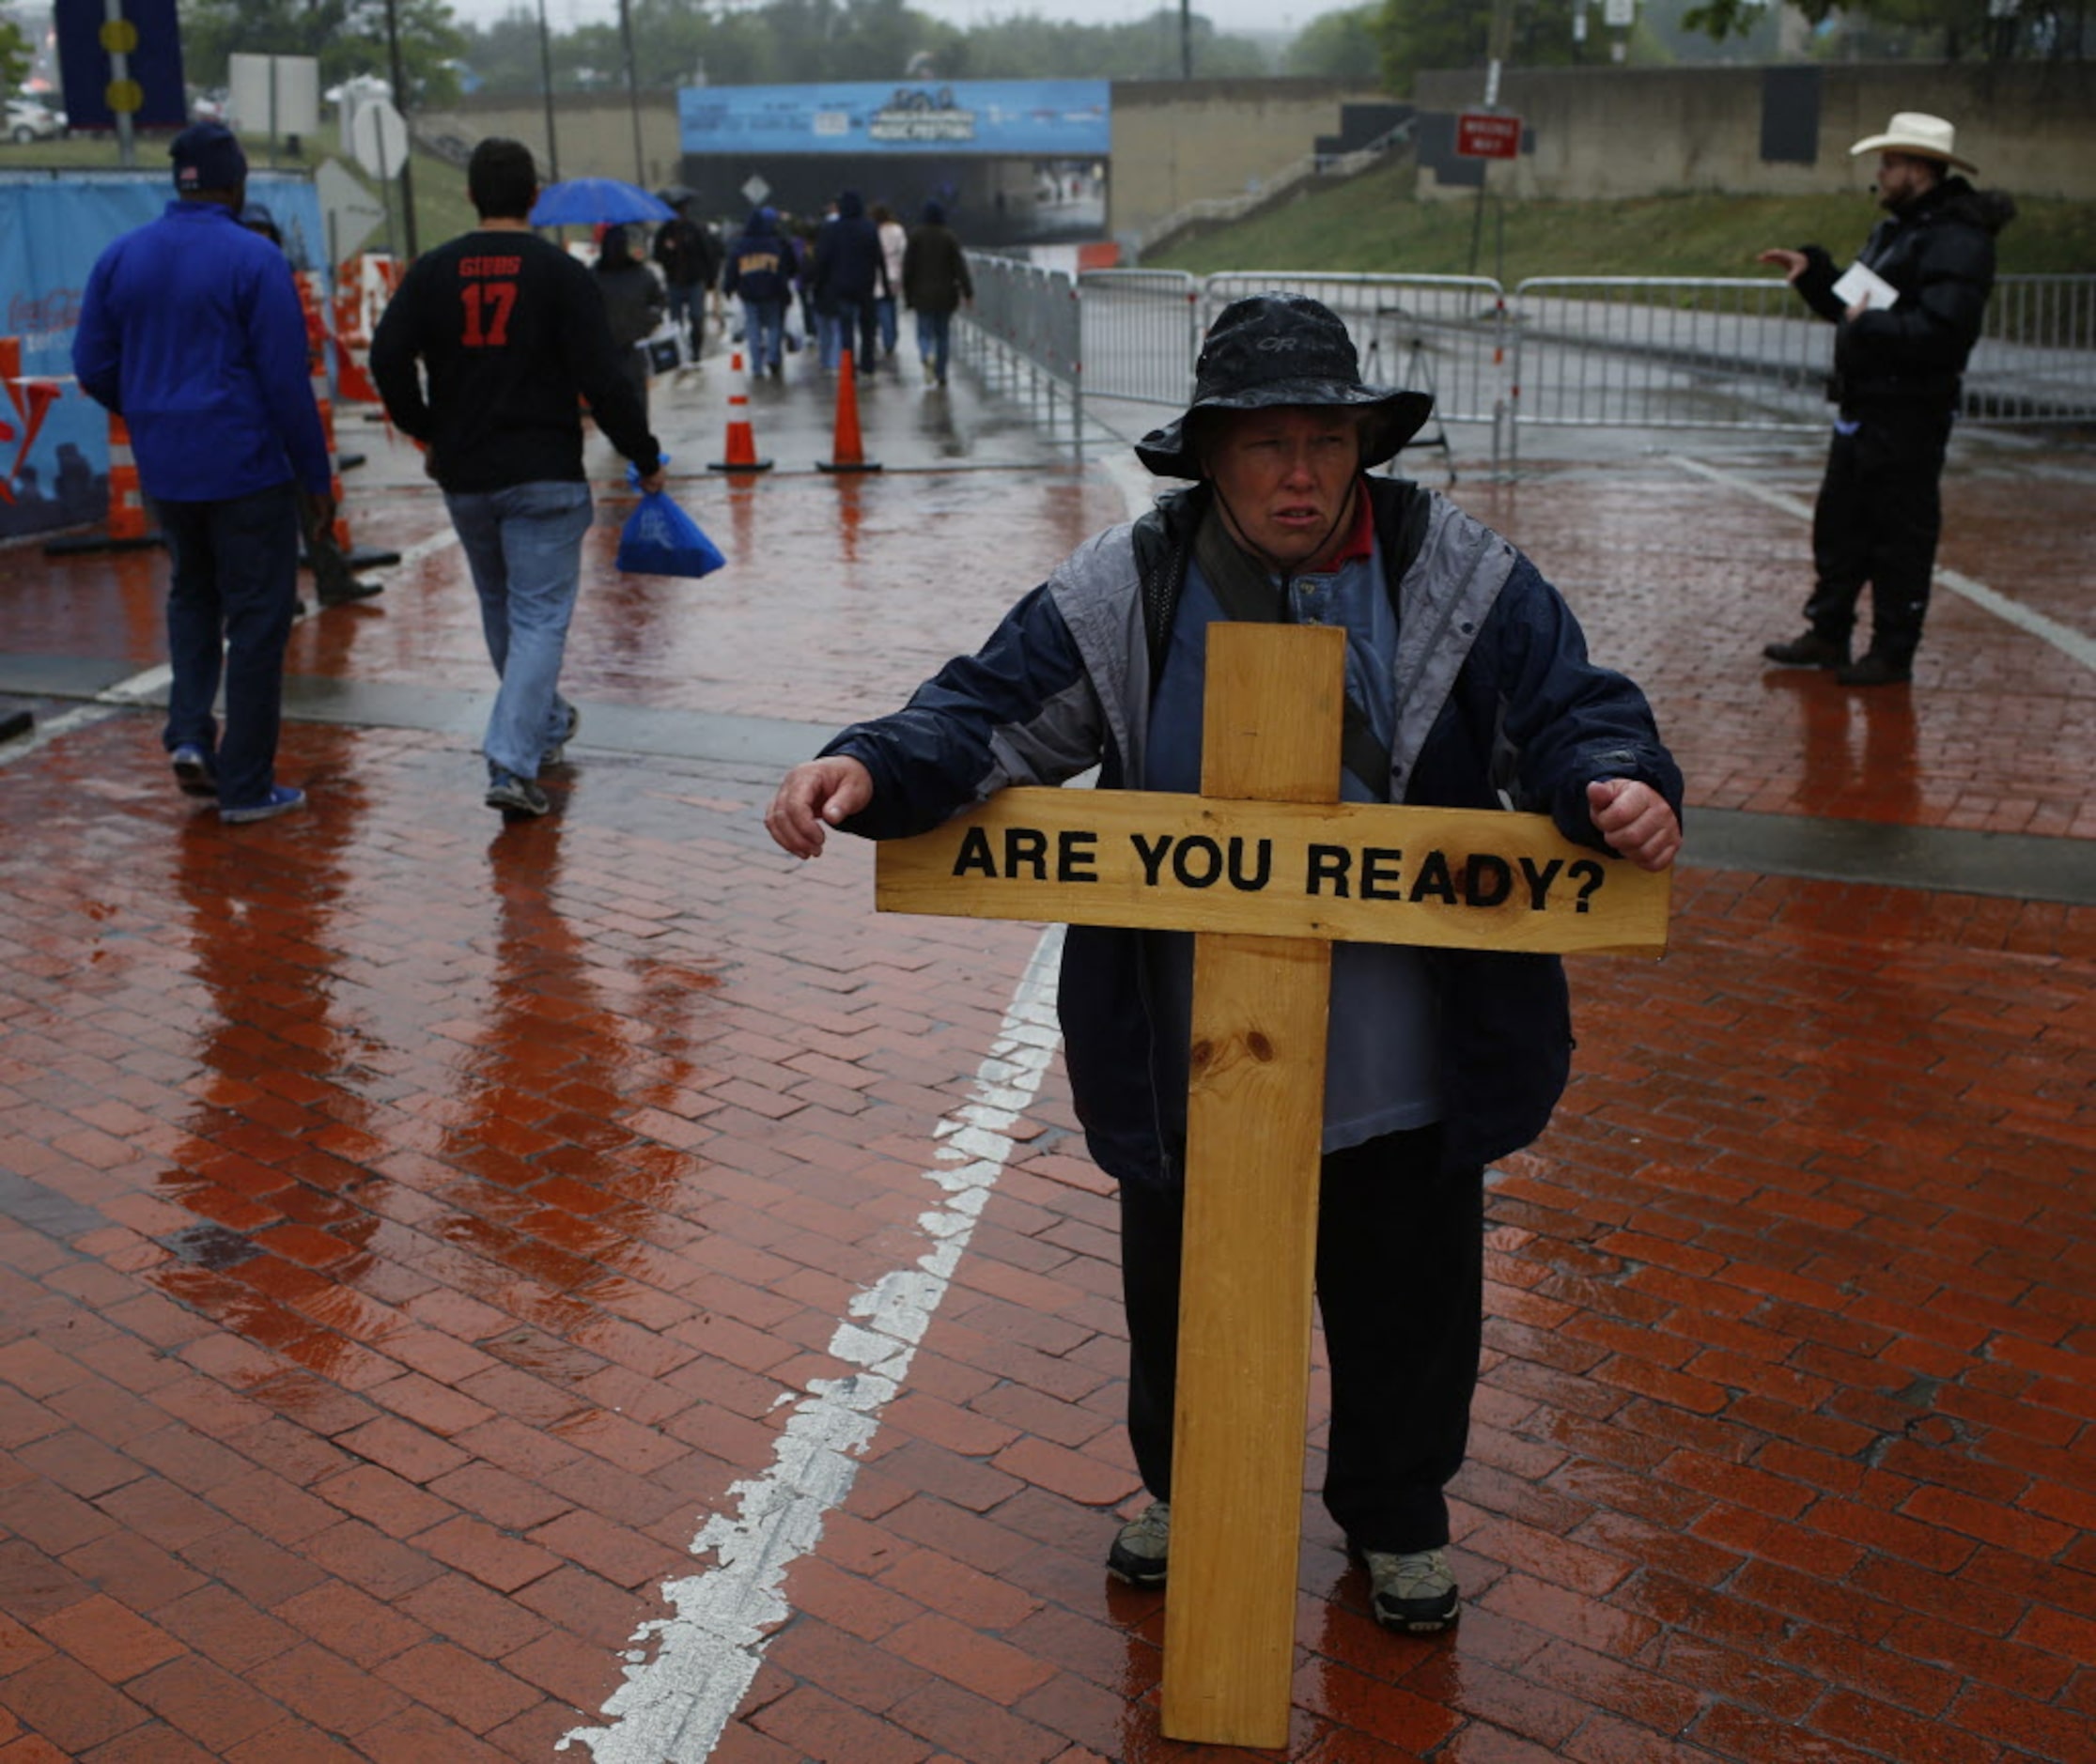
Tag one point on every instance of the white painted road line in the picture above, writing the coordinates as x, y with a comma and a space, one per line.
678, 1697
2075, 645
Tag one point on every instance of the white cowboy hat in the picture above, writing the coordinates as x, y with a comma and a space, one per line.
1916, 131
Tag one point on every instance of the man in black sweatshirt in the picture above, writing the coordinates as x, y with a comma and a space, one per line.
1903, 332
508, 330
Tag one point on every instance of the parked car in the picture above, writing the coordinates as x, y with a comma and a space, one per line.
28, 120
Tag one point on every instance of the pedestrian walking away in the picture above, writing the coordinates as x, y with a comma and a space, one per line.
894, 242
633, 302
1906, 320
1469, 686
508, 331
936, 283
190, 329
759, 270
850, 273
689, 255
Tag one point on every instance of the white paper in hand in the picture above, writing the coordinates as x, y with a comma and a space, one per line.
1861, 282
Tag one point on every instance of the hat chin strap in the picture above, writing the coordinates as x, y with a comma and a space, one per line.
1246, 543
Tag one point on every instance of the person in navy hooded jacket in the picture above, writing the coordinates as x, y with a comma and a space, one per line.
191, 332
1474, 690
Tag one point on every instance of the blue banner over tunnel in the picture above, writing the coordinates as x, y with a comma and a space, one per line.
1014, 118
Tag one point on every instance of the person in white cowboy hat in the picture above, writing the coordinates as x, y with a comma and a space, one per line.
1468, 686
1900, 346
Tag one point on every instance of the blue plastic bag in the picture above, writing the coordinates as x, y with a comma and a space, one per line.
660, 539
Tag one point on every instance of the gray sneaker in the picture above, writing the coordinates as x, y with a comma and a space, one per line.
1413, 1593
515, 797
1138, 1555
557, 749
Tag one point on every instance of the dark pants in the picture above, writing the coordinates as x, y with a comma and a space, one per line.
1401, 1291
1879, 515
235, 582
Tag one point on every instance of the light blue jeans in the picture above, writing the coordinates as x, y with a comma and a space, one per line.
764, 330
934, 331
524, 547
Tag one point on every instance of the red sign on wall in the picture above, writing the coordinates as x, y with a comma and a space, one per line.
1481, 135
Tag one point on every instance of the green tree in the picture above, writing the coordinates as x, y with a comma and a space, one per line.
347, 37
1417, 34
1335, 44
14, 56
1952, 28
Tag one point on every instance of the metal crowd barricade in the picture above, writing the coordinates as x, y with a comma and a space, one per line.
1655, 352
1142, 333
1681, 353
1025, 329
1667, 352
2036, 358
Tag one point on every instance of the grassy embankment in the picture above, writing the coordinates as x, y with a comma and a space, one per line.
1373, 225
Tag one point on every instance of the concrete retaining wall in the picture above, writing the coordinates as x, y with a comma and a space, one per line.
1636, 131
1175, 140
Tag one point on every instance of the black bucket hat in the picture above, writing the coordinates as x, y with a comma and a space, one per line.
1273, 349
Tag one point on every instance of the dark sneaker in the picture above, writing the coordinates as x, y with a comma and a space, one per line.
556, 748
516, 797
194, 775
1138, 1555
280, 800
1809, 651
1415, 1594
1873, 669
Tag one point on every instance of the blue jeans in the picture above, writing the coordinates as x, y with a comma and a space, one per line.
764, 330
933, 330
236, 582
687, 309
524, 547
884, 310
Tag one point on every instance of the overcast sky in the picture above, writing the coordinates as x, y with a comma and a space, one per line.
1249, 17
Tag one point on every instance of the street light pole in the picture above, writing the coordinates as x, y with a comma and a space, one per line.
632, 87
400, 104
546, 82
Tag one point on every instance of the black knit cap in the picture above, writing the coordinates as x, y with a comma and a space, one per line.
1278, 350
207, 156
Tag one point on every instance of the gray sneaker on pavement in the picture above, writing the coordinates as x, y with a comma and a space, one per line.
556, 748
1138, 1555
516, 798
1413, 1593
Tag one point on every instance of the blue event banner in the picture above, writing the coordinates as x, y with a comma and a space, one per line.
1020, 118
51, 229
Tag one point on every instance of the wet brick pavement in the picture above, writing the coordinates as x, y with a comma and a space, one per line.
414, 1234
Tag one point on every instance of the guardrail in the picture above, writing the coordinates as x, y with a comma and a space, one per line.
1662, 353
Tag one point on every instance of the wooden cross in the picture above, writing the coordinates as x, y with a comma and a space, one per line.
1267, 867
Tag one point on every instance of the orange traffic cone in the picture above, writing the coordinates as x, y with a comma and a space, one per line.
848, 453
742, 444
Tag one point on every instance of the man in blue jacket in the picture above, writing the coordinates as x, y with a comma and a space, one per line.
1468, 686
759, 268
191, 332
849, 270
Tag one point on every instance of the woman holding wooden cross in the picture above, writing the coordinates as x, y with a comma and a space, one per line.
1468, 686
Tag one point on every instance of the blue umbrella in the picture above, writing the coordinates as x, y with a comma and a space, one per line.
595, 201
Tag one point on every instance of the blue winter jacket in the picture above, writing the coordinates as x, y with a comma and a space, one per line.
1498, 707
191, 332
761, 262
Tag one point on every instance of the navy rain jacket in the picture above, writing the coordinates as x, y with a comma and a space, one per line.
1497, 706
850, 262
760, 264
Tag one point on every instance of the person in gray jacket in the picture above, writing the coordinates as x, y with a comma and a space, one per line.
1470, 682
